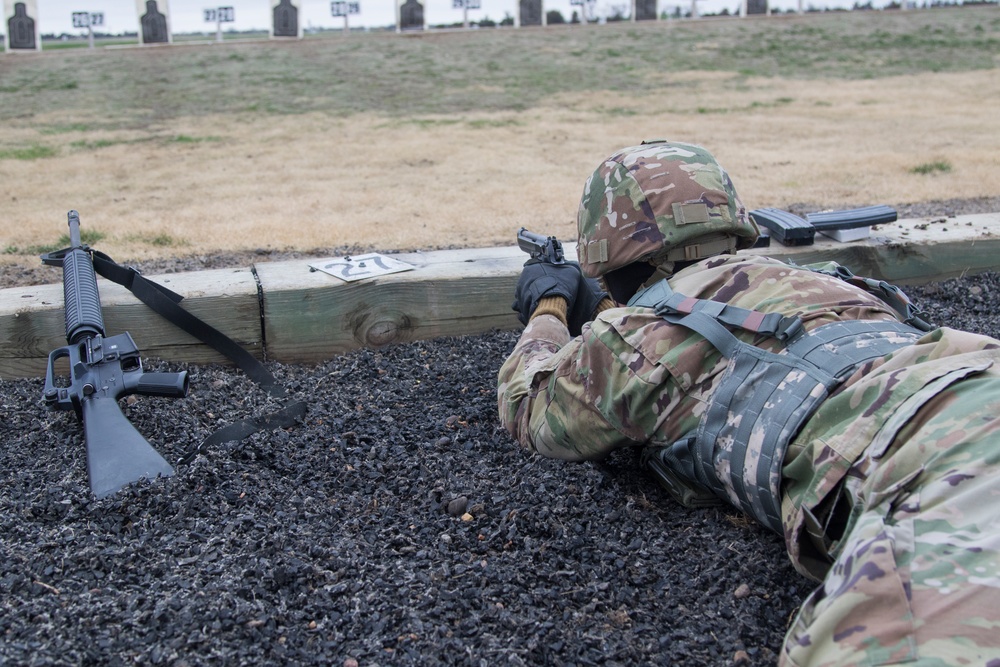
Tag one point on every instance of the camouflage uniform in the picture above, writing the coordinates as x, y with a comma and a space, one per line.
887, 491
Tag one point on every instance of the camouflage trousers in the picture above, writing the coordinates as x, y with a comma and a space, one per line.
916, 579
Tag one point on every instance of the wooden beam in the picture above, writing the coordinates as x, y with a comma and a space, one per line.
299, 315
309, 315
32, 319
910, 252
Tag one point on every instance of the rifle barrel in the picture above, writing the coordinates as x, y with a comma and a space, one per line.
74, 229
84, 318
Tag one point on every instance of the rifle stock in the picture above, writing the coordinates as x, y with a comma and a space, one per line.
117, 454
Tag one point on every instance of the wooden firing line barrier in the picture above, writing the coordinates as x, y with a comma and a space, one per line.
286, 312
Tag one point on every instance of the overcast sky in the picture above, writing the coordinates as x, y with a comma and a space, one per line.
55, 16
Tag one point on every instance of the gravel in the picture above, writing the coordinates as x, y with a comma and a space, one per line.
398, 524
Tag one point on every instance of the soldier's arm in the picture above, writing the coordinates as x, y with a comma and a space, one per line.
547, 400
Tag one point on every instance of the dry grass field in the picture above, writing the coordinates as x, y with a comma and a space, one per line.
389, 142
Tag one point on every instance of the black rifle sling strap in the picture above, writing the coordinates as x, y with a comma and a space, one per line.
165, 303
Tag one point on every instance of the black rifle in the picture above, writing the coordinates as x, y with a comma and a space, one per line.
101, 371
543, 248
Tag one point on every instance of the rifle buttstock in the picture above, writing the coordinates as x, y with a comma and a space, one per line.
117, 454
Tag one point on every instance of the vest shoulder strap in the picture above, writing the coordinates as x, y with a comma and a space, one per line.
763, 398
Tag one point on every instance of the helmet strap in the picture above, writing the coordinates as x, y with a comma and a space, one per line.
662, 270
675, 259
706, 246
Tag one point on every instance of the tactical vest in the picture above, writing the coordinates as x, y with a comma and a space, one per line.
763, 399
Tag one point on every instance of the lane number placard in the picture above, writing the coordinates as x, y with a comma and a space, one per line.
358, 267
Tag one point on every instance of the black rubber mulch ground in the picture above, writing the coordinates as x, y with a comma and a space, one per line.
397, 525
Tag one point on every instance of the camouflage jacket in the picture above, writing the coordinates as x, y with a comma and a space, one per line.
633, 379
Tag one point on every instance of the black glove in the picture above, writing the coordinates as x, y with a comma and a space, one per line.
581, 311
541, 279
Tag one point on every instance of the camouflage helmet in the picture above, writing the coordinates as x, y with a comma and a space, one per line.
661, 201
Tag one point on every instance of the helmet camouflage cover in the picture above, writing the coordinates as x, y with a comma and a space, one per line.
661, 201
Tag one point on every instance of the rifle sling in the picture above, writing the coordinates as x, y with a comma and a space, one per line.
283, 418
165, 302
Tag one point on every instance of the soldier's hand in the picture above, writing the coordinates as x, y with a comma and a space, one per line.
581, 311
542, 279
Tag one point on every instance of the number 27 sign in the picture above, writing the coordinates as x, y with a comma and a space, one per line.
358, 267
87, 19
